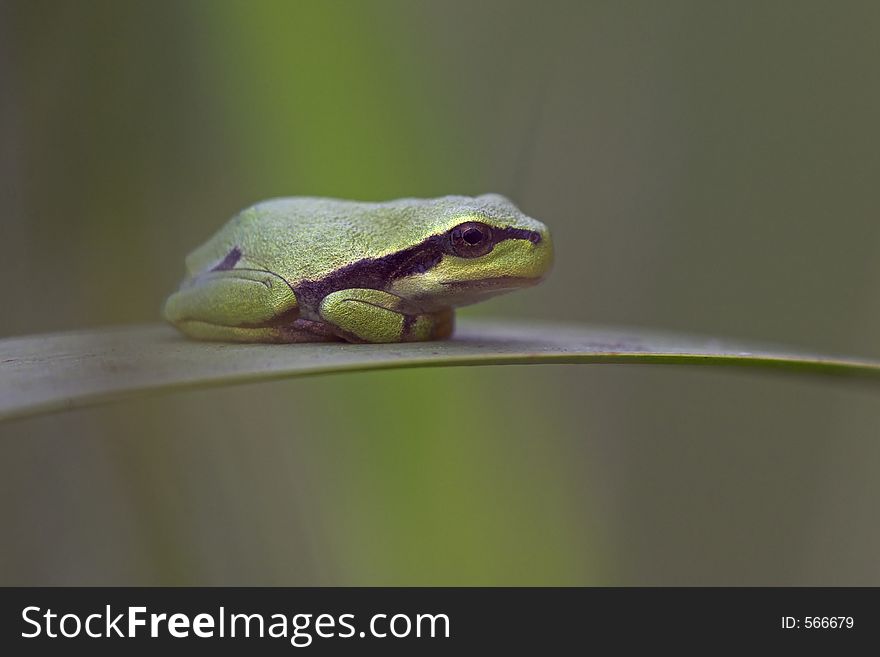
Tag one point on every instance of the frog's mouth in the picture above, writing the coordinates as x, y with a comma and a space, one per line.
496, 284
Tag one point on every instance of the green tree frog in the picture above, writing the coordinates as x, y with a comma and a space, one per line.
317, 269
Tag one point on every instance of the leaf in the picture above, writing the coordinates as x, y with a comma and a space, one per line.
44, 373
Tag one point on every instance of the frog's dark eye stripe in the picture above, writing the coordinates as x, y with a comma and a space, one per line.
229, 261
468, 240
419, 263
509, 233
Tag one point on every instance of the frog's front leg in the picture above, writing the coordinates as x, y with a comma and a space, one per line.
363, 315
241, 305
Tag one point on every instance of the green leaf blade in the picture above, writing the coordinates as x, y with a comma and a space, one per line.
47, 373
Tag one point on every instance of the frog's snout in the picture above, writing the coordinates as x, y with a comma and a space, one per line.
542, 253
527, 258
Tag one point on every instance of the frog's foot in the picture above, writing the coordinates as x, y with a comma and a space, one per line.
362, 315
299, 330
242, 305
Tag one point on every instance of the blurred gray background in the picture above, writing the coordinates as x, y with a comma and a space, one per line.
706, 167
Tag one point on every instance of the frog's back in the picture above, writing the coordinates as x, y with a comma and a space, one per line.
306, 238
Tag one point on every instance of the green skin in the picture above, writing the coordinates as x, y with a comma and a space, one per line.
317, 270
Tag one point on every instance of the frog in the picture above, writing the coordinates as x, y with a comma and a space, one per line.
310, 269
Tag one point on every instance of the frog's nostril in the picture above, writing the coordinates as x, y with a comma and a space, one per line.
535, 237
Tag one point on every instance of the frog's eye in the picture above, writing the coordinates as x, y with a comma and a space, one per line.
471, 239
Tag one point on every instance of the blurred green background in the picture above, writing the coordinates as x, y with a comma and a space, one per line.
709, 167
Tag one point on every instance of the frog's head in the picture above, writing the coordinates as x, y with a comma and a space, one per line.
477, 248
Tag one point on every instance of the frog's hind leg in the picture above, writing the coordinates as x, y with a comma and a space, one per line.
241, 305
